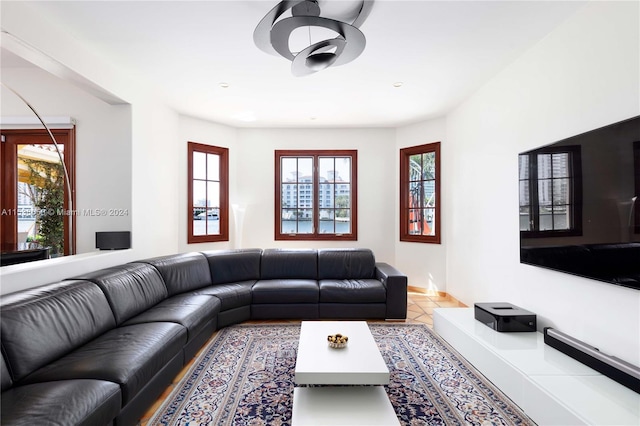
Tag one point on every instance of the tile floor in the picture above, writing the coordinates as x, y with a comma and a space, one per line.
419, 311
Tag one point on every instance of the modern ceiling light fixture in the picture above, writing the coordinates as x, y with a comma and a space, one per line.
272, 35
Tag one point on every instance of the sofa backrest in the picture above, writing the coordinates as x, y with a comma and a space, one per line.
289, 264
228, 266
182, 272
42, 324
130, 289
345, 264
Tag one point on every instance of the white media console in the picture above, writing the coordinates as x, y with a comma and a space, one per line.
551, 387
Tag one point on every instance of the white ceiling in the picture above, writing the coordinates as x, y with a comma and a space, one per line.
442, 51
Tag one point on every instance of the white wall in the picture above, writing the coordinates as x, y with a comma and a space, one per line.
583, 75
150, 159
376, 183
424, 264
103, 147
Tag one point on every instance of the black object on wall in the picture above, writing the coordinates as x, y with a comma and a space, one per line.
580, 206
114, 240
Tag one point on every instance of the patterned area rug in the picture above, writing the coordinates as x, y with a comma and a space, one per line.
245, 377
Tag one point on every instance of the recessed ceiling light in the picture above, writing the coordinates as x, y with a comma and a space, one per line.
398, 84
224, 85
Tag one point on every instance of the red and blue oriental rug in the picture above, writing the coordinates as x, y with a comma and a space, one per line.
245, 377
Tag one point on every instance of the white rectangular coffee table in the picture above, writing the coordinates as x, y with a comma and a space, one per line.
359, 364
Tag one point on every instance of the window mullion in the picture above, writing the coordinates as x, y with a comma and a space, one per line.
315, 190
533, 192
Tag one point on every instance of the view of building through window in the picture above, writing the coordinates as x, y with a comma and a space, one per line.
316, 193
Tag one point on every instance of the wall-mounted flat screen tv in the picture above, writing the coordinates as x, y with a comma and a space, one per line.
579, 207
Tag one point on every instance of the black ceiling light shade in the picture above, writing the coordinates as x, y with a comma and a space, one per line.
272, 35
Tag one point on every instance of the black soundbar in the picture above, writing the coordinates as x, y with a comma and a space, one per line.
619, 370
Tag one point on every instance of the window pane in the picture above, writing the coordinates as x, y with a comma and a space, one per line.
288, 224
289, 169
561, 191
544, 192
343, 169
524, 193
213, 167
415, 196
305, 169
199, 224
546, 221
199, 193
429, 194
213, 222
343, 221
561, 217
305, 221
429, 165
288, 194
199, 165
327, 169
415, 221
561, 165
343, 201
415, 167
327, 221
523, 166
525, 219
305, 196
428, 228
325, 195
544, 166
213, 194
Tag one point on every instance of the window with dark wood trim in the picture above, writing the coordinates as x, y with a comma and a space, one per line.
316, 195
20, 147
420, 193
551, 192
208, 191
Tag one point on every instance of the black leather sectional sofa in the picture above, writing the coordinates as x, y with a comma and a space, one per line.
100, 348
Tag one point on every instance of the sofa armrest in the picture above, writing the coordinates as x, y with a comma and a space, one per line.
395, 283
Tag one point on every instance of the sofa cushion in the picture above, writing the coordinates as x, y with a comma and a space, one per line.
231, 295
285, 291
182, 272
191, 311
42, 324
64, 402
230, 266
5, 377
130, 288
285, 263
352, 291
346, 264
128, 355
